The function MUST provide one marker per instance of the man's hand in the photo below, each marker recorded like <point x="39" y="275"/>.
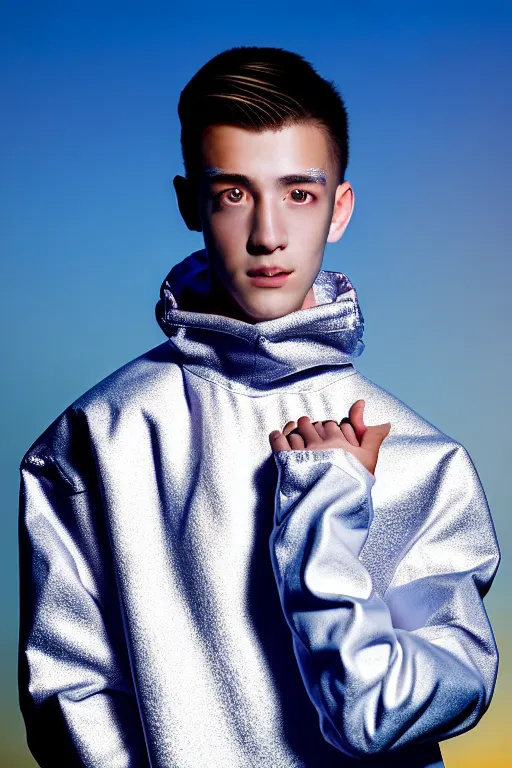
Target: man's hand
<point x="351" y="434"/>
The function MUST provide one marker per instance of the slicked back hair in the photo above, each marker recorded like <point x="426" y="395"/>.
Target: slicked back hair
<point x="260" y="89"/>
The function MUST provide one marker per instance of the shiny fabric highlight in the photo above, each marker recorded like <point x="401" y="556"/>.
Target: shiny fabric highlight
<point x="189" y="599"/>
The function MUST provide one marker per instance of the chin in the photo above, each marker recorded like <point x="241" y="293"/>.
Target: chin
<point x="272" y="313"/>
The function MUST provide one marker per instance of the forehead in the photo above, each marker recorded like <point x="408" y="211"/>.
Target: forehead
<point x="268" y="153"/>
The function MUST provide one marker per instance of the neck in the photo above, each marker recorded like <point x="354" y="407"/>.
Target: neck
<point x="310" y="300"/>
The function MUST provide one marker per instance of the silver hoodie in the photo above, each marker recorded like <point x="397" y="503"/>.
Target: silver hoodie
<point x="190" y="599"/>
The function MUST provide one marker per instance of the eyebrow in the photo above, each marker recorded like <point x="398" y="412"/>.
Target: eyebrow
<point x="309" y="176"/>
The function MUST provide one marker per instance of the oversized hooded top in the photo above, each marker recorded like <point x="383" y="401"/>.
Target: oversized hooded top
<point x="190" y="599"/>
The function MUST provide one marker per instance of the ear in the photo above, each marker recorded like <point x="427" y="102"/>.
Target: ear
<point x="342" y="211"/>
<point x="188" y="203"/>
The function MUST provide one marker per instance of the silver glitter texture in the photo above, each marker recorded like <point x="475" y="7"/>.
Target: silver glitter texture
<point x="188" y="599"/>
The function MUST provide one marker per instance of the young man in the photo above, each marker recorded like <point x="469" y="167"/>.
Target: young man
<point x="200" y="588"/>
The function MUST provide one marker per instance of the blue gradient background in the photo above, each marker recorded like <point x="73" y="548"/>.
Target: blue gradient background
<point x="90" y="227"/>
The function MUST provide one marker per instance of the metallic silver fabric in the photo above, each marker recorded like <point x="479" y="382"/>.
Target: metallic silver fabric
<point x="189" y="599"/>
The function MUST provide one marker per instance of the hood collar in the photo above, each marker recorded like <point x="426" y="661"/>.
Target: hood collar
<point x="302" y="351"/>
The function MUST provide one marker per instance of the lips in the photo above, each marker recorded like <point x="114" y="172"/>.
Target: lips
<point x="268" y="271"/>
<point x="264" y="281"/>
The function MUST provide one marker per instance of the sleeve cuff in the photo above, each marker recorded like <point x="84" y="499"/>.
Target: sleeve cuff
<point x="299" y="471"/>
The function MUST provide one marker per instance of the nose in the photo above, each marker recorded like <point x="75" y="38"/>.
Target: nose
<point x="268" y="230"/>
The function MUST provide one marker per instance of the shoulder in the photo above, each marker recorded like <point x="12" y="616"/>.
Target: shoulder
<point x="136" y="380"/>
<point x="65" y="443"/>
<point x="421" y="471"/>
<point x="427" y="492"/>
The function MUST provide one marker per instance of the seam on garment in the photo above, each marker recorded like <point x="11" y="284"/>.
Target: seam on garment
<point x="257" y="343"/>
<point x="73" y="490"/>
<point x="206" y="328"/>
<point x="268" y="394"/>
<point x="278" y="338"/>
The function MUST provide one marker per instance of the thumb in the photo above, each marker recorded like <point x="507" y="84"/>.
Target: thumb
<point x="374" y="436"/>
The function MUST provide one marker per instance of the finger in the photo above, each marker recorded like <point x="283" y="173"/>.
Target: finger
<point x="288" y="427"/>
<point x="307" y="430"/>
<point x="349" y="432"/>
<point x="332" y="429"/>
<point x="374" y="436"/>
<point x="355" y="416"/>
<point x="278" y="441"/>
<point x="320" y="428"/>
<point x="296" y="442"/>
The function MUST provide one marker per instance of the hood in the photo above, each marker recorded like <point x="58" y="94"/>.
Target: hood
<point x="301" y="351"/>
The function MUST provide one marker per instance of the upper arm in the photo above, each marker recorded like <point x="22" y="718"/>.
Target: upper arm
<point x="75" y="685"/>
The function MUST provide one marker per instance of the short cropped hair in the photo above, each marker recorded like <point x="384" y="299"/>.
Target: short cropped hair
<point x="260" y="89"/>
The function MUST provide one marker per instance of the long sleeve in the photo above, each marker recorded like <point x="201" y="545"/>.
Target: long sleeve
<point x="75" y="687"/>
<point x="416" y="665"/>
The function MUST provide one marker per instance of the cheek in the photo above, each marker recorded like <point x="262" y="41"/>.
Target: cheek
<point x="228" y="228"/>
<point x="310" y="224"/>
<point x="226" y="237"/>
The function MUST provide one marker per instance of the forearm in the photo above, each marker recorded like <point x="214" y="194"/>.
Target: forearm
<point x="376" y="687"/>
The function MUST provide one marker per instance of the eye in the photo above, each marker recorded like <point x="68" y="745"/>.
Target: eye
<point x="234" y="195"/>
<point x="302" y="195"/>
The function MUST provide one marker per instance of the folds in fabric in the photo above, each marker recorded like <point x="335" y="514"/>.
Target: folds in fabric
<point x="76" y="693"/>
<point x="416" y="665"/>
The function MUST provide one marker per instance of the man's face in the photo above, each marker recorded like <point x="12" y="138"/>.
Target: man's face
<point x="268" y="199"/>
